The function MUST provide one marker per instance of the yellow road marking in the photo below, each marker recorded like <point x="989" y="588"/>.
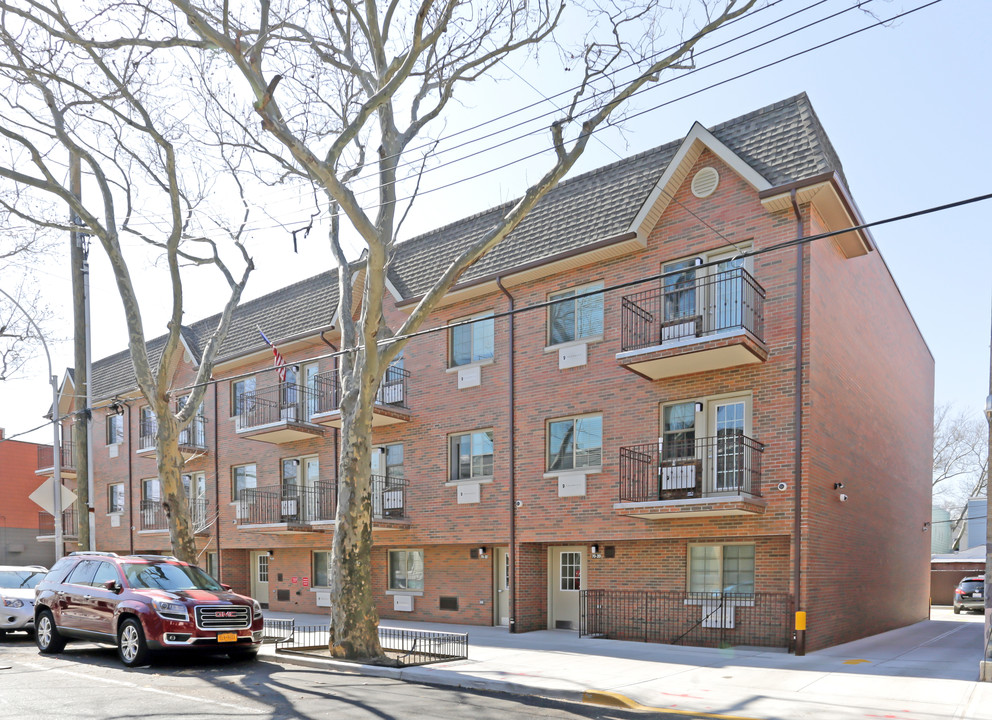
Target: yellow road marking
<point x="612" y="699"/>
<point x="856" y="661"/>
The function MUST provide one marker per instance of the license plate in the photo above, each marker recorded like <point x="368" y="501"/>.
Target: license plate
<point x="227" y="637"/>
<point x="977" y="595"/>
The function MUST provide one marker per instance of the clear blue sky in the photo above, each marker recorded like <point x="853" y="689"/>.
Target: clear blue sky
<point x="906" y="106"/>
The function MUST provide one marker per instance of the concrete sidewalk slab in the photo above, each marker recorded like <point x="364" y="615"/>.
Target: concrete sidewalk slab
<point x="927" y="671"/>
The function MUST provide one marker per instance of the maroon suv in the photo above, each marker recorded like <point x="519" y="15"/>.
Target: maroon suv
<point x="142" y="603"/>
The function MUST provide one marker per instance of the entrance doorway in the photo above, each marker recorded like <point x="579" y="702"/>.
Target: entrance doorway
<point x="260" y="577"/>
<point x="502" y="585"/>
<point x="566" y="568"/>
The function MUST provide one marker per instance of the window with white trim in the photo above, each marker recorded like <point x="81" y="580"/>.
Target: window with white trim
<point x="575" y="318"/>
<point x="471" y="455"/>
<point x="721" y="569"/>
<point x="406" y="569"/>
<point x="115" y="498"/>
<point x="473" y="342"/>
<point x="321" y="568"/>
<point x="115" y="429"/>
<point x="238" y="390"/>
<point x="243" y="477"/>
<point x="575" y="443"/>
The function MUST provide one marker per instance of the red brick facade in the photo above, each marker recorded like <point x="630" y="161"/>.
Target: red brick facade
<point x="867" y="387"/>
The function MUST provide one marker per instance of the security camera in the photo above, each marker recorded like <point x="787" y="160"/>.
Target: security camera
<point x="783" y="486"/>
<point x="518" y="503"/>
<point x="843" y="497"/>
<point x="838" y="486"/>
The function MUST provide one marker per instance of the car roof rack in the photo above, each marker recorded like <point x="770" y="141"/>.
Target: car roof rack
<point x="95" y="552"/>
<point x="156" y="557"/>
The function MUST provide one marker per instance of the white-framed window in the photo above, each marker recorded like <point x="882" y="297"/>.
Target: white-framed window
<point x="151" y="489"/>
<point x="471" y="455"/>
<point x="147" y="428"/>
<point x="570" y="564"/>
<point x="115" y="498"/>
<point x="406" y="569"/>
<point x="715" y="434"/>
<point x="238" y="390"/>
<point x="263" y="568"/>
<point x="243" y="477"/>
<point x="575" y="443"/>
<point x="321" y="568"/>
<point x="678" y="431"/>
<point x="575" y="318"/>
<point x="721" y="569"/>
<point x="473" y="342"/>
<point x="707" y="293"/>
<point x="213" y="570"/>
<point x="115" y="429"/>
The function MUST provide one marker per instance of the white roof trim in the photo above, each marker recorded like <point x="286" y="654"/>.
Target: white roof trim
<point x="685" y="157"/>
<point x="194" y="360"/>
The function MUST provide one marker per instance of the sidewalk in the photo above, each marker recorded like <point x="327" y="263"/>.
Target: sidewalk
<point x="927" y="671"/>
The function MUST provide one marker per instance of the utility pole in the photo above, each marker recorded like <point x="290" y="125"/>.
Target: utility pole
<point x="80" y="425"/>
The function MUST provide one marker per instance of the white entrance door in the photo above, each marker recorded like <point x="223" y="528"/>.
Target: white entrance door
<point x="728" y="293"/>
<point x="567" y="568"/>
<point x="260" y="577"/>
<point x="729" y="428"/>
<point x="502" y="570"/>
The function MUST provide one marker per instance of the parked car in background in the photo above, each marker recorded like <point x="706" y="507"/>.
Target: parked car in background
<point x="17" y="596"/>
<point x="970" y="594"/>
<point x="143" y="603"/>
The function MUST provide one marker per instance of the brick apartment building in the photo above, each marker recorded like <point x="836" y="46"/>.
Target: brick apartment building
<point x="688" y="459"/>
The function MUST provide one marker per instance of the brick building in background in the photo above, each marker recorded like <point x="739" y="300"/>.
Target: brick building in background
<point x="24" y="526"/>
<point x="688" y="459"/>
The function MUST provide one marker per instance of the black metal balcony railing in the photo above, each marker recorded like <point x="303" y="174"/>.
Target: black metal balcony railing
<point x="392" y="390"/>
<point x="194" y="435"/>
<point x="698" y="308"/>
<point x="287" y="402"/>
<point x="153" y="514"/>
<point x="147" y="430"/>
<point x="407" y="647"/>
<point x="46" y="457"/>
<point x="678" y="617"/>
<point x="307" y="504"/>
<point x="70" y="527"/>
<point x="700" y="467"/>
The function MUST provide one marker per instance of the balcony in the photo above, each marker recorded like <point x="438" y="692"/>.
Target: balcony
<point x="67" y="461"/>
<point x="153" y="519"/>
<point x="46" y="525"/>
<point x="710" y="323"/>
<point x="390" y="400"/>
<point x="293" y="508"/>
<point x="279" y="414"/>
<point x="702" y="477"/>
<point x="192" y="438"/>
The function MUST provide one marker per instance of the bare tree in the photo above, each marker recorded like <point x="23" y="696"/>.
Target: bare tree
<point x="960" y="462"/>
<point x="98" y="84"/>
<point x="331" y="80"/>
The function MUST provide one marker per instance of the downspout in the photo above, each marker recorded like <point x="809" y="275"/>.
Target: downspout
<point x="797" y="419"/>
<point x="217" y="522"/>
<point x="130" y="485"/>
<point x="513" y="469"/>
<point x="334" y="432"/>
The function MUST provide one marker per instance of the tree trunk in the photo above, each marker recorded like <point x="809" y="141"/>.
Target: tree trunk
<point x="354" y="620"/>
<point x="174" y="501"/>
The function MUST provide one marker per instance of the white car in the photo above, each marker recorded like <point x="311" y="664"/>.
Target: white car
<point x="17" y="596"/>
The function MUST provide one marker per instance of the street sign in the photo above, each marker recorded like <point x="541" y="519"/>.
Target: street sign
<point x="44" y="496"/>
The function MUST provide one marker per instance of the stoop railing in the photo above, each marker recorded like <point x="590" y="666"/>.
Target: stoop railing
<point x="407" y="647"/>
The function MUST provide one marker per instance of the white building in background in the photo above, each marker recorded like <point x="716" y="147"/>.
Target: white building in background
<point x="940" y="531"/>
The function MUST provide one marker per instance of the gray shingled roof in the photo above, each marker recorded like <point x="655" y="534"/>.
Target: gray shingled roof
<point x="293" y="310"/>
<point x="784" y="142"/>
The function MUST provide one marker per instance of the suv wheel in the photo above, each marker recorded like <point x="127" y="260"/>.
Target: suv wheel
<point x="957" y="610"/>
<point x="131" y="646"/>
<point x="47" y="636"/>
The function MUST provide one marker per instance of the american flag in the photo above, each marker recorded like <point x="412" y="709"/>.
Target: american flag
<point x="277" y="356"/>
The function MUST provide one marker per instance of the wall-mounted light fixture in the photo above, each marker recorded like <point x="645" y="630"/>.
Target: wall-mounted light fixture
<point x="926" y="526"/>
<point x="699" y="407"/>
<point x="597" y="550"/>
<point x="482" y="552"/>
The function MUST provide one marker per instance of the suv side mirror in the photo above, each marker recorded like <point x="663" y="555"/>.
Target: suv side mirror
<point x="113" y="586"/>
<point x="226" y="586"/>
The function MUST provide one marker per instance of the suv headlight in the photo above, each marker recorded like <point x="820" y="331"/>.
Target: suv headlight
<point x="171" y="610"/>
<point x="257" y="607"/>
<point x="12" y="602"/>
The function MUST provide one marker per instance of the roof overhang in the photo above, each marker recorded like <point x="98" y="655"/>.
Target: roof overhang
<point x="286" y="345"/>
<point x="698" y="139"/>
<point x="825" y="192"/>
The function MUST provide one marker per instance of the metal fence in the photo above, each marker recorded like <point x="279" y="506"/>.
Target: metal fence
<point x="194" y="435"/>
<point x="70" y="526"/>
<point x="699" y="467"/>
<point x="287" y="402"/>
<point x="693" y="308"/>
<point x="67" y="458"/>
<point x="153" y="517"/>
<point x="392" y="390"/>
<point x="306" y="504"/>
<point x="406" y="647"/>
<point x="676" y="617"/>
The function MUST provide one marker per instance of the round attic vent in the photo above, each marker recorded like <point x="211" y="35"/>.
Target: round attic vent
<point x="705" y="181"/>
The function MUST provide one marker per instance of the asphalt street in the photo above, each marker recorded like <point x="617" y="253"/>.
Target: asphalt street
<point x="88" y="681"/>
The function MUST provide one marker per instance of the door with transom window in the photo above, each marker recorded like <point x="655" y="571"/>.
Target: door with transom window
<point x="565" y="572"/>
